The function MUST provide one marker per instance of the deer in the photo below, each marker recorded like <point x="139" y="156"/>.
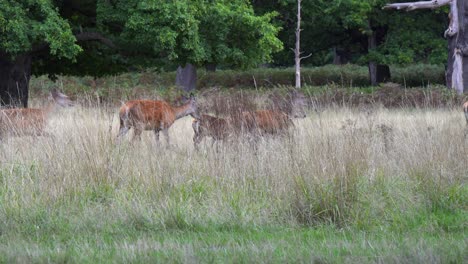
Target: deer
<point x="263" y="122"/>
<point x="31" y="121"/>
<point x="153" y="115"/>
<point x="209" y="126"/>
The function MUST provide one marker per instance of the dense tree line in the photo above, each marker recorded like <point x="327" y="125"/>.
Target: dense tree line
<point x="338" y="31"/>
<point x="101" y="37"/>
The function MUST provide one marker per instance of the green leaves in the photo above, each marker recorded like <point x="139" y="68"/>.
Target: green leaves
<point x="233" y="35"/>
<point x="25" y="25"/>
<point x="198" y="32"/>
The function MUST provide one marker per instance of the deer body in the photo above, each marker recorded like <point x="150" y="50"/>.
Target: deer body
<point x="210" y="126"/>
<point x="152" y="115"/>
<point x="266" y="122"/>
<point x="262" y="122"/>
<point x="30" y="121"/>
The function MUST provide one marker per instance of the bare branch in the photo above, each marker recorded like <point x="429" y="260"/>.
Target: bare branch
<point x="305" y="57"/>
<point x="418" y="5"/>
<point x="452" y="30"/>
<point x="87" y="36"/>
<point x="409" y="6"/>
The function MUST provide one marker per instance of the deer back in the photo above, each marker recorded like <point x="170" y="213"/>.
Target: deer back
<point x="148" y="113"/>
<point x="271" y="122"/>
<point x="30" y="121"/>
<point x="155" y="114"/>
<point x="22" y="121"/>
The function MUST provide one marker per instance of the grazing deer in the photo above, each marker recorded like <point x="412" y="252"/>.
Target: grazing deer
<point x="210" y="126"/>
<point x="153" y="115"/>
<point x="30" y="121"/>
<point x="272" y="122"/>
<point x="465" y="109"/>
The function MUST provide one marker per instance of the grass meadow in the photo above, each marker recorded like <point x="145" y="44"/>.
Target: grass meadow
<point x="348" y="185"/>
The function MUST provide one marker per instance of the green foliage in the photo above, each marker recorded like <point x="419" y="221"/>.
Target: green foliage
<point x="234" y="36"/>
<point x="415" y="37"/>
<point x="26" y="25"/>
<point x="198" y="32"/>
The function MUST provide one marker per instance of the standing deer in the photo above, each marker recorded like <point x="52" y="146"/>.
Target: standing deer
<point x="30" y="121"/>
<point x="262" y="122"/>
<point x="210" y="126"/>
<point x="153" y="115"/>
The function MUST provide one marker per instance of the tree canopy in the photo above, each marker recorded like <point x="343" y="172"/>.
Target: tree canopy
<point x="100" y="37"/>
<point x="346" y="24"/>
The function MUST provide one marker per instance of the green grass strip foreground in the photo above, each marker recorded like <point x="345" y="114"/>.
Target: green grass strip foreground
<point x="236" y="245"/>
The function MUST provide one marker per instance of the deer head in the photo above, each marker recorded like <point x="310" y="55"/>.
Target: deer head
<point x="60" y="98"/>
<point x="191" y="106"/>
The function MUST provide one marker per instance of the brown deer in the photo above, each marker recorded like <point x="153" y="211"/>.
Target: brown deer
<point x="30" y="121"/>
<point x="262" y="122"/>
<point x="153" y="115"/>
<point x="210" y="126"/>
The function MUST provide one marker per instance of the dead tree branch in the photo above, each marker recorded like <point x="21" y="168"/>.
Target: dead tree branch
<point x="418" y="5"/>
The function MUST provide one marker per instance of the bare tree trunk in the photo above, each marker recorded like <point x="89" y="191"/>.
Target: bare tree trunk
<point x="14" y="80"/>
<point x="297" y="50"/>
<point x="457" y="62"/>
<point x="186" y="77"/>
<point x="372" y="44"/>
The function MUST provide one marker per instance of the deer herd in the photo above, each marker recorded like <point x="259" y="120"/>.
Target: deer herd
<point x="158" y="116"/>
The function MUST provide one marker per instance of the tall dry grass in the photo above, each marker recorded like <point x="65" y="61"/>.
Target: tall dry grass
<point x="366" y="169"/>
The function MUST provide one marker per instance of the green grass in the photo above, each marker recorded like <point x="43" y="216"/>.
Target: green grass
<point x="348" y="186"/>
<point x="229" y="244"/>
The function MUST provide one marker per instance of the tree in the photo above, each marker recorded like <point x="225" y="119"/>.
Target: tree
<point x="338" y="31"/>
<point x="28" y="31"/>
<point x="457" y="70"/>
<point x="25" y="28"/>
<point x="297" y="49"/>
<point x="196" y="33"/>
<point x="99" y="37"/>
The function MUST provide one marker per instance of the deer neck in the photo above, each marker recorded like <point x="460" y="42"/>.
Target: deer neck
<point x="183" y="110"/>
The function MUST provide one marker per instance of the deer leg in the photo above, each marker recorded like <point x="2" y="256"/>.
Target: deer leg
<point x="137" y="134"/>
<point x="166" y="134"/>
<point x="197" y="138"/>
<point x="123" y="130"/>
<point x="156" y="135"/>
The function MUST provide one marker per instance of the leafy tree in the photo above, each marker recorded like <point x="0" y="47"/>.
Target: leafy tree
<point x="341" y="28"/>
<point x="98" y="37"/>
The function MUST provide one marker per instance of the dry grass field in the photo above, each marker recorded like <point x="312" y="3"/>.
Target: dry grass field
<point x="348" y="185"/>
